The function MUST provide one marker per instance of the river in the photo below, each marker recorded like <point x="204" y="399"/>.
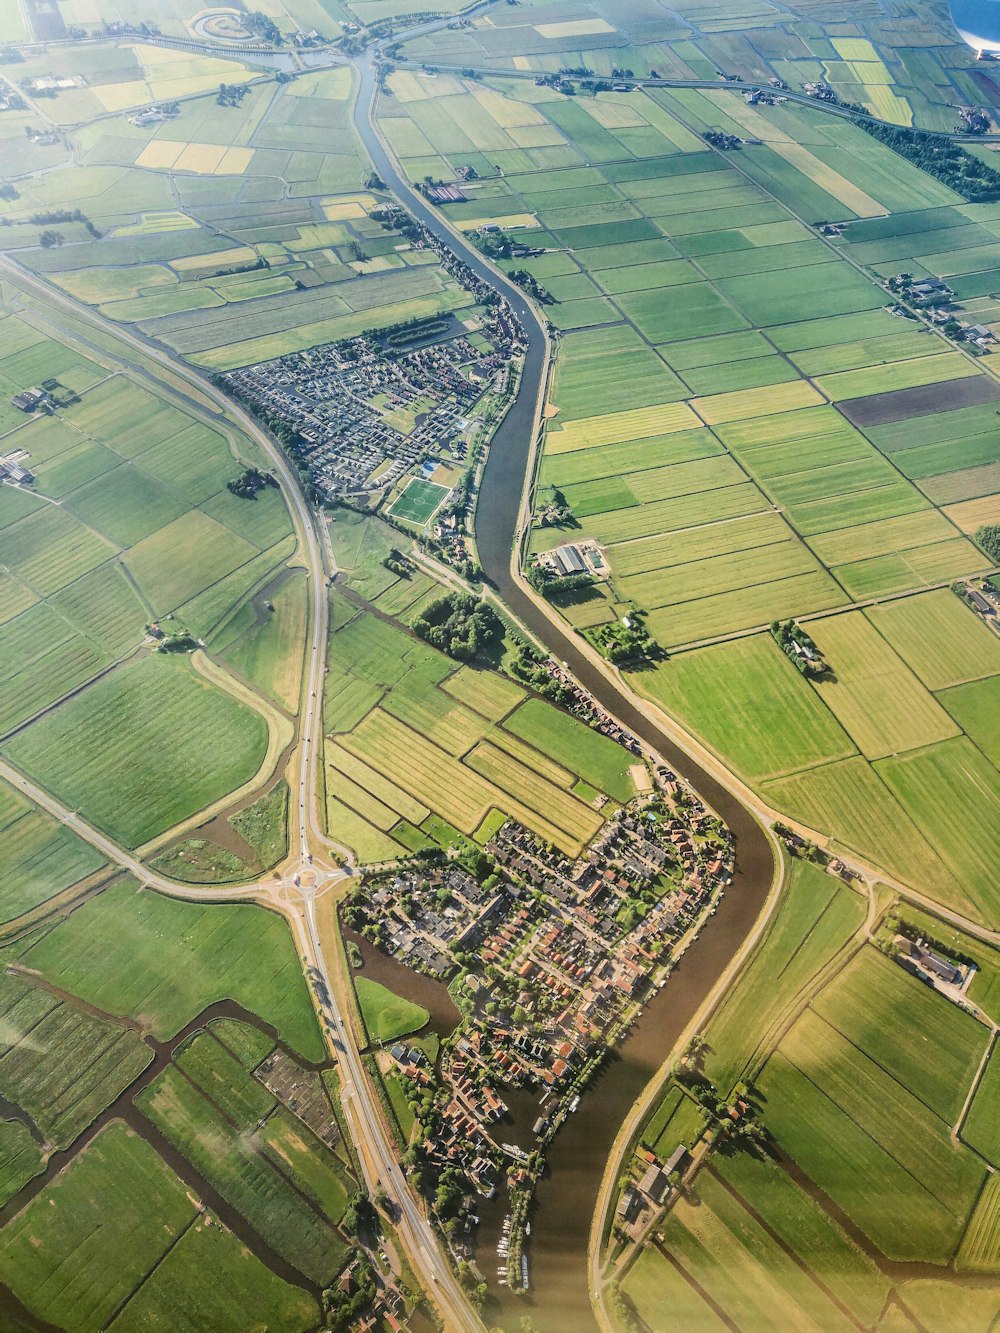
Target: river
<point x="559" y="1301"/>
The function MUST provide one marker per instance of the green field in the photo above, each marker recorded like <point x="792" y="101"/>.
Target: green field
<point x="816" y="917"/>
<point x="209" y="1277"/>
<point x="66" y="1066"/>
<point x="263" y="1161"/>
<point x="81" y="1247"/>
<point x="163" y="961"/>
<point x="980" y="1129"/>
<point x="143" y="748"/>
<point x="759" y="1282"/>
<point x="38" y="857"/>
<point x="387" y="1016"/>
<point x="772" y="723"/>
<point x="864" y="1003"/>
<point x="854" y="1098"/>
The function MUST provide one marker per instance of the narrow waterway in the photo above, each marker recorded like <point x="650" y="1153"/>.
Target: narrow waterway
<point x="559" y="1300"/>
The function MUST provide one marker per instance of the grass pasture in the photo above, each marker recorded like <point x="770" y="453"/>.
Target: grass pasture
<point x="827" y="1107"/>
<point x="283" y="1204"/>
<point x="815" y="919"/>
<point x="760" y="1281"/>
<point x="882" y="1012"/>
<point x="83" y="1245"/>
<point x="945" y="782"/>
<point x="68" y="1066"/>
<point x="773" y="721"/>
<point x="387" y="1016"/>
<point x="143" y="748"/>
<point x="874" y="696"/>
<point x="206" y="1278"/>
<point x="163" y="961"/>
<point x="38" y="857"/>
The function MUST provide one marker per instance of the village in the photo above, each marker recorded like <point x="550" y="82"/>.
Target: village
<point x="550" y="961"/>
<point x="363" y="417"/>
<point x="391" y="420"/>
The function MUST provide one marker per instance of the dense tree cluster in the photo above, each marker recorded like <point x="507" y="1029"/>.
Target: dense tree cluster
<point x="250" y="482"/>
<point x="946" y="161"/>
<point x="988" y="538"/>
<point x="262" y="26"/>
<point x="460" y="625"/>
<point x="345" y="1308"/>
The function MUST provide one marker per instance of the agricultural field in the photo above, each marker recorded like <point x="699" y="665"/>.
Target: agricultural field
<point x="133" y="952"/>
<point x="117" y="1236"/>
<point x="477" y="749"/>
<point x="859" y="1096"/>
<point x="771" y="454"/>
<point x="828" y="1100"/>
<point x="124" y="476"/>
<point x="38" y="857"/>
<point x="237" y="229"/>
<point x="263" y="1162"/>
<point x="910" y="73"/>
<point x="143" y="748"/>
<point x="59" y="1064"/>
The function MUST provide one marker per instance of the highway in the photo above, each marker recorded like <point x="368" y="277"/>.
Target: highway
<point x="293" y="894"/>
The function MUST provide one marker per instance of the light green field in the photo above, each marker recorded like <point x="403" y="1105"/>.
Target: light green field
<point x="948" y="782"/>
<point x="870" y="1144"/>
<point x="976" y="709"/>
<point x="882" y="1012"/>
<point x="816" y="917"/>
<point x="760" y="1281"/>
<point x="143" y="748"/>
<point x="878" y="701"/>
<point x="773" y="722"/>
<point x="270" y="651"/>
<point x="939" y="637"/>
<point x="164" y="961"/>
<point x="663" y="1297"/>
<point x="387" y="1016"/>
<point x="183" y="558"/>
<point x="980" y="1251"/>
<point x="815" y="1237"/>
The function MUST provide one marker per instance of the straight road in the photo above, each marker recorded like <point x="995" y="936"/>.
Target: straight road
<point x="308" y="840"/>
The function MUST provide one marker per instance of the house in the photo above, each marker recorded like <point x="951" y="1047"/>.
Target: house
<point x="29" y="400"/>
<point x="654" y="1183"/>
<point x="677" y="1160"/>
<point x="629" y="1204"/>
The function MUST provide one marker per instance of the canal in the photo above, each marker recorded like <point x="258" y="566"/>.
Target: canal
<point x="559" y="1300"/>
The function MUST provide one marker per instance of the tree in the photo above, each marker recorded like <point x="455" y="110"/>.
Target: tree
<point x="463" y="626"/>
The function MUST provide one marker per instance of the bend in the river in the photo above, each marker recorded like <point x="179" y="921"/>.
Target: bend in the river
<point x="567" y="1198"/>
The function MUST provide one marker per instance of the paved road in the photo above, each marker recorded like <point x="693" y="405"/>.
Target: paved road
<point x="308" y="841"/>
<point x="498" y="528"/>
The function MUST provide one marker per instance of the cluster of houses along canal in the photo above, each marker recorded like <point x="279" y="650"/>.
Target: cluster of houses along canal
<point x="550" y="962"/>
